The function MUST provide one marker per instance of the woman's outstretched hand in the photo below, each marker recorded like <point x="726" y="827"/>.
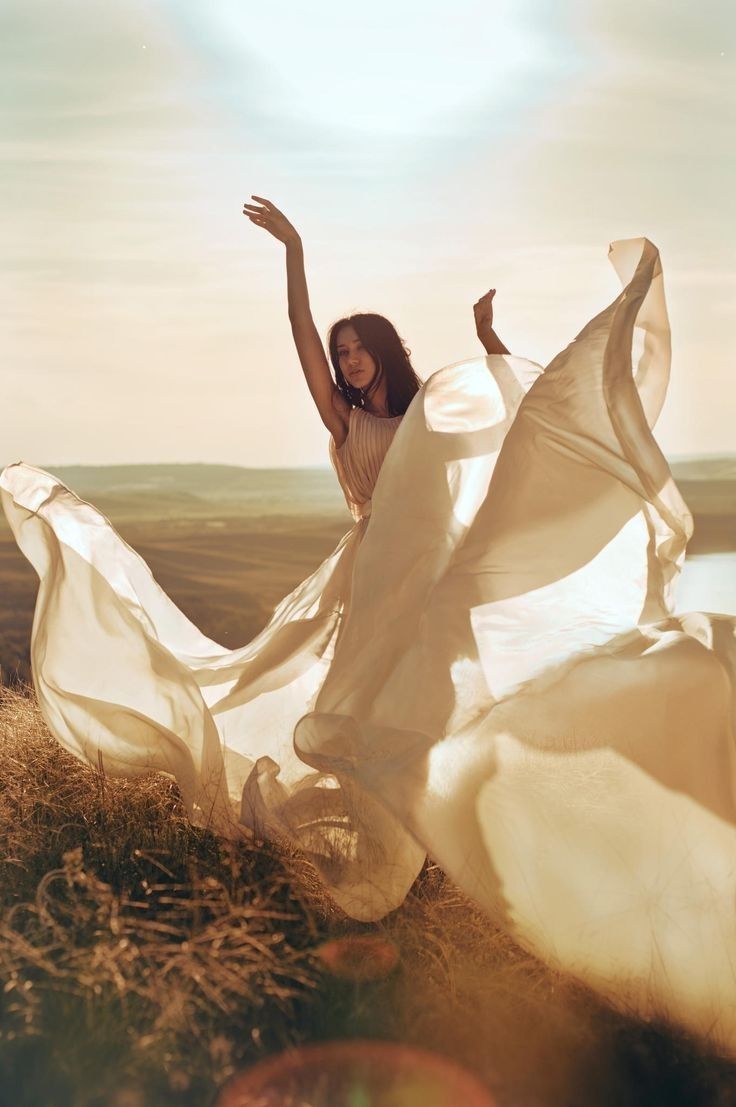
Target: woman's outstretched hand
<point x="483" y="311"/>
<point x="268" y="216"/>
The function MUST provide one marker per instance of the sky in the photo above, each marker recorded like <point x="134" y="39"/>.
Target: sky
<point x="425" y="152"/>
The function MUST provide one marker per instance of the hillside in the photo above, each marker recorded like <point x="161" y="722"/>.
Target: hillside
<point x="196" y="490"/>
<point x="200" y="490"/>
<point x="711" y="468"/>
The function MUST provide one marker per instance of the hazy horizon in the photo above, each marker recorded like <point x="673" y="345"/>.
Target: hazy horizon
<point x="145" y="317"/>
<point x="326" y="466"/>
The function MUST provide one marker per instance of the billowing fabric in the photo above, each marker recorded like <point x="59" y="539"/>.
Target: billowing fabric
<point x="489" y="668"/>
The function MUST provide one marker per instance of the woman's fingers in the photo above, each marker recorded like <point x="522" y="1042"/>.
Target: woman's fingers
<point x="483" y="310"/>
<point x="268" y="203"/>
<point x="257" y="220"/>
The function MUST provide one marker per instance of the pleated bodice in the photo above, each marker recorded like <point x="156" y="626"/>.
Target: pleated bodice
<point x="358" y="460"/>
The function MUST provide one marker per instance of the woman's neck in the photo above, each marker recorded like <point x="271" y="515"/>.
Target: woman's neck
<point x="377" y="403"/>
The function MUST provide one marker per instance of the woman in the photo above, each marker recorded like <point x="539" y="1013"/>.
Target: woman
<point x="487" y="667"/>
<point x="364" y="388"/>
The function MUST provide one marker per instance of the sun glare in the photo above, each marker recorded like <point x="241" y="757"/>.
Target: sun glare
<point x="381" y="67"/>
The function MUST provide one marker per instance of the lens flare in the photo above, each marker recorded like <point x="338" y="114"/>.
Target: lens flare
<point x="355" y="1074"/>
<point x="359" y="957"/>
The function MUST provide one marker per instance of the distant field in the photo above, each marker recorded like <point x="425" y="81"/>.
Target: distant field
<point x="204" y="491"/>
<point x="226" y="575"/>
<point x="228" y="543"/>
<point x="225" y="543"/>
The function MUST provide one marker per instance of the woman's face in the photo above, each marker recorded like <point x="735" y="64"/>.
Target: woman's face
<point x="356" y="364"/>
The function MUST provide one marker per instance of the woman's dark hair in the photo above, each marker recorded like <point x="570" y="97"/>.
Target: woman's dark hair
<point x="382" y="341"/>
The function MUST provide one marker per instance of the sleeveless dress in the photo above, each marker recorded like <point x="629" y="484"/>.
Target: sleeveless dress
<point x="357" y="462"/>
<point x="488" y="668"/>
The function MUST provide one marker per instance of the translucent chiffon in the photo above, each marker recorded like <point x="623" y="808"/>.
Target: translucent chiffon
<point x="488" y="668"/>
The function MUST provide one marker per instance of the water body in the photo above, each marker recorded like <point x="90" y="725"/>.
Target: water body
<point x="708" y="583"/>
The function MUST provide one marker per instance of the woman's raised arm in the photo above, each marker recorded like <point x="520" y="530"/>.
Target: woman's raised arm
<point x="333" y="408"/>
<point x="483" y="312"/>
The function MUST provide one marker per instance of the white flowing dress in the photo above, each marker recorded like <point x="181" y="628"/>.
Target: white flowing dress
<point x="486" y="669"/>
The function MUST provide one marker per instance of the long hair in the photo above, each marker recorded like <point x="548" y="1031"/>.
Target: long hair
<point x="382" y="341"/>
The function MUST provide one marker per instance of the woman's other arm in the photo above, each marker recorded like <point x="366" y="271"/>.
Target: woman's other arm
<point x="483" y="311"/>
<point x="331" y="404"/>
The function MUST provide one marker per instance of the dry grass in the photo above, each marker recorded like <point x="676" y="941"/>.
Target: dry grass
<point x="143" y="961"/>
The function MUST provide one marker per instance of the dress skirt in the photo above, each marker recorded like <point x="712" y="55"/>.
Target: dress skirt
<point x="490" y="668"/>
